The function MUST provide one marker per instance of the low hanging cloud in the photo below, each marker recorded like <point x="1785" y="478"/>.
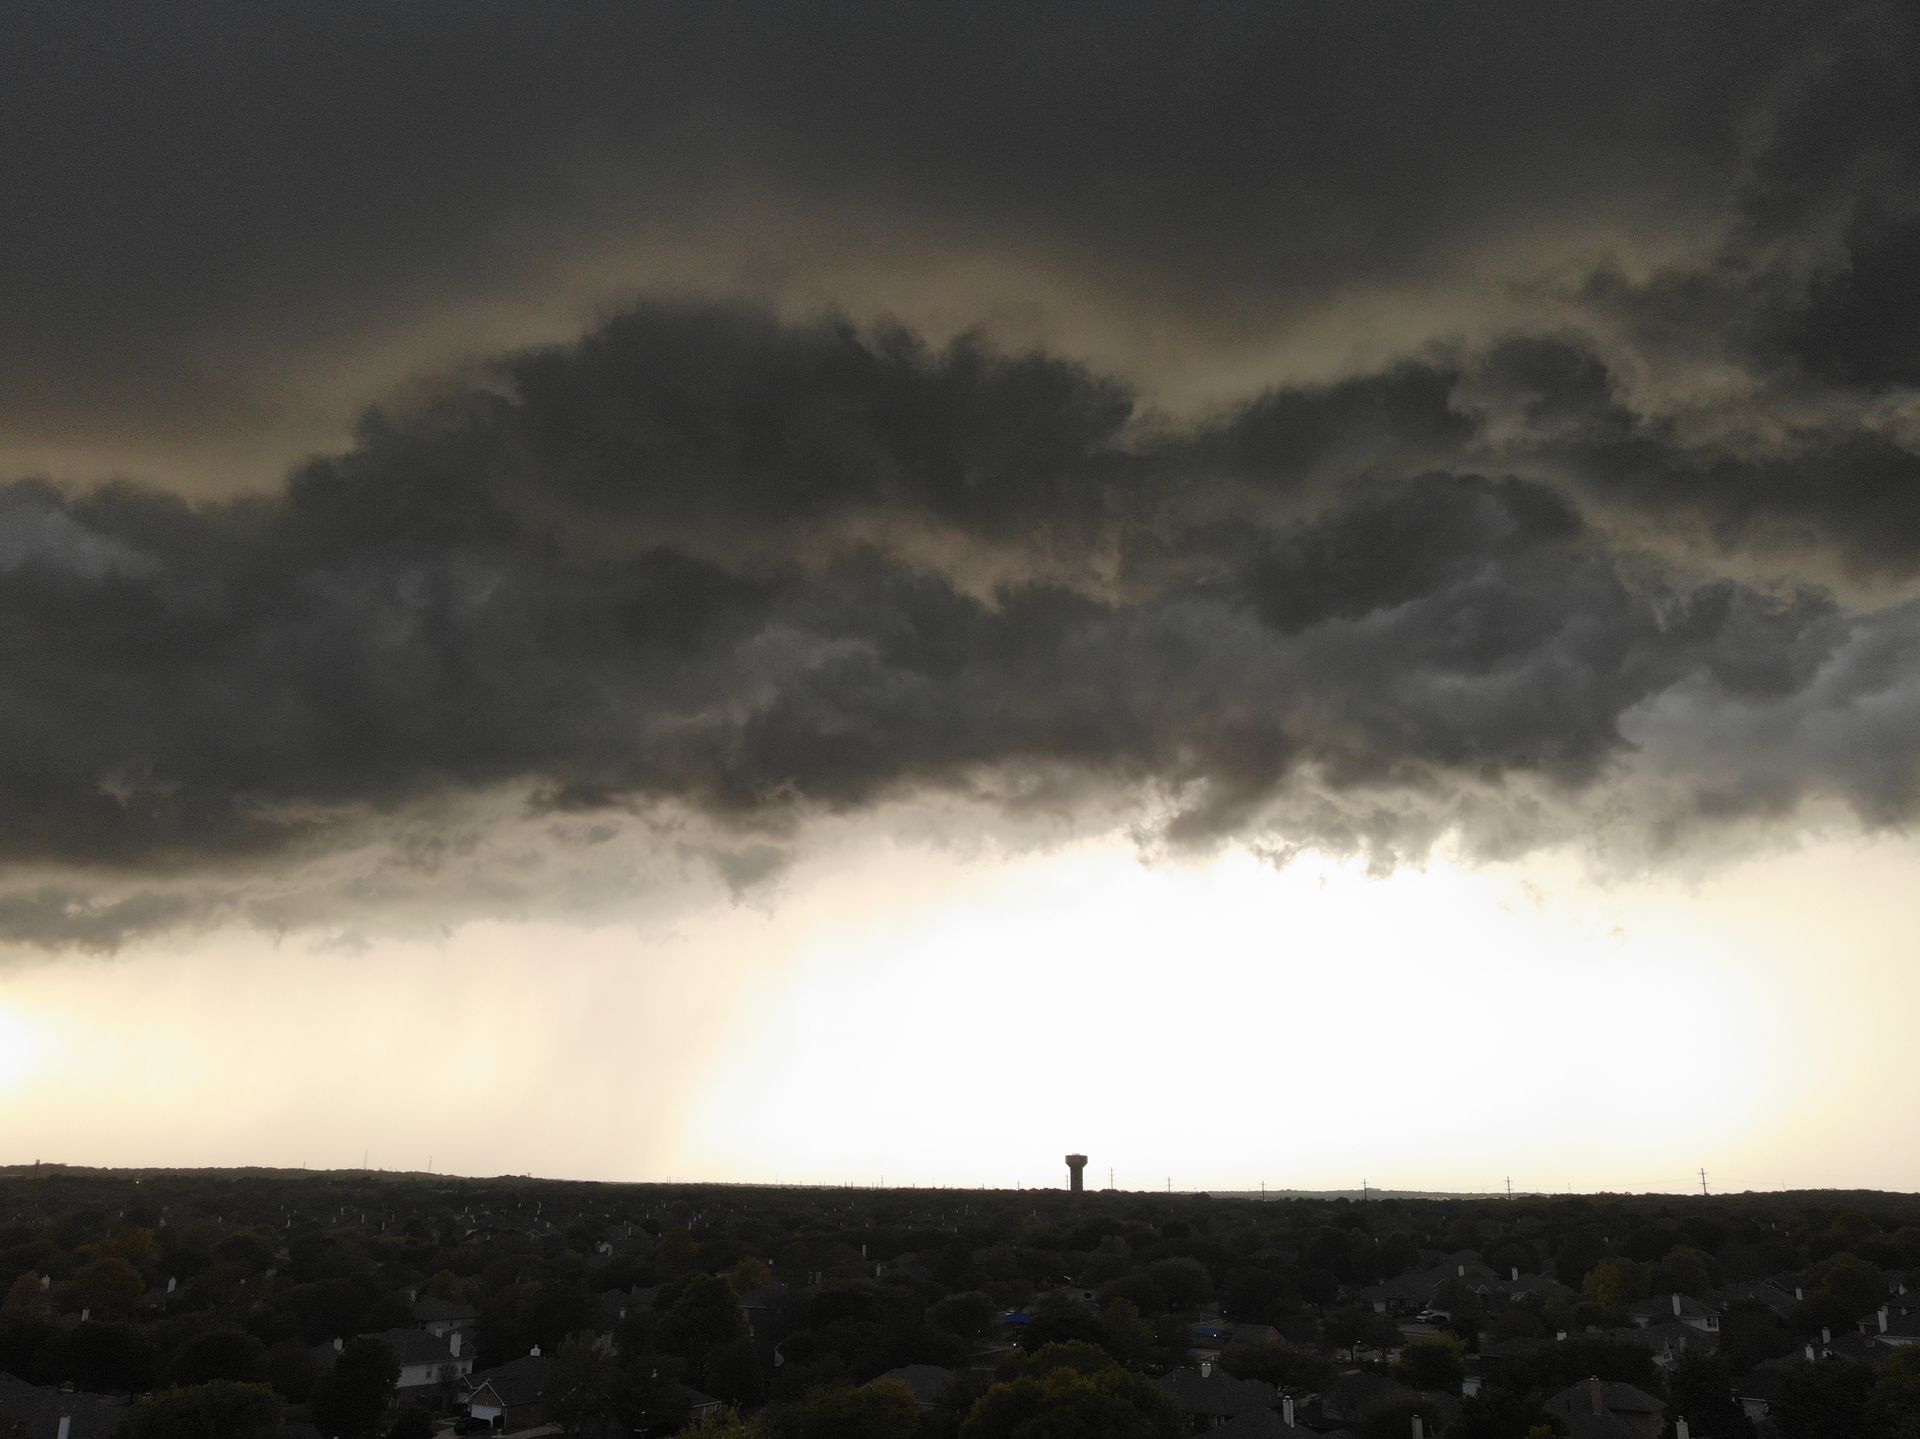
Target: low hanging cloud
<point x="691" y="588"/>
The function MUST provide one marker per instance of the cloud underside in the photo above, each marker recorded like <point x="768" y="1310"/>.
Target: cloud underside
<point x="753" y="575"/>
<point x="1607" y="534"/>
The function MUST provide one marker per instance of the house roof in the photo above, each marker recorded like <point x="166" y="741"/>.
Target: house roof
<point x="926" y="1381"/>
<point x="415" y="1346"/>
<point x="1616" y="1398"/>
<point x="1218" y="1395"/>
<point x="35" y="1412"/>
<point x="517" y="1382"/>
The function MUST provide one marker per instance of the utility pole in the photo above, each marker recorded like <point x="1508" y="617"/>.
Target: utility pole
<point x="1703" y="1184"/>
<point x="1363" y="1191"/>
<point x="1509" y="1186"/>
<point x="1263" y="1189"/>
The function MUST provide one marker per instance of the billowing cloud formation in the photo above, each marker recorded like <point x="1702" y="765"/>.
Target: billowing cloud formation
<point x="1382" y="422"/>
<point x="709" y="565"/>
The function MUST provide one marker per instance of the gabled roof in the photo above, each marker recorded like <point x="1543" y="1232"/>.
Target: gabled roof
<point x="1218" y="1395"/>
<point x="517" y="1382"/>
<point x="415" y="1346"/>
<point x="36" y="1412"/>
<point x="1616" y="1398"/>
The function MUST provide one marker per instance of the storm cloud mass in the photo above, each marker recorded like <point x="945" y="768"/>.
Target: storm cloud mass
<point x="1352" y="427"/>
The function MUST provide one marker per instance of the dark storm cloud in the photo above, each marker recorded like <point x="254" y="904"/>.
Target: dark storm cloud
<point x="1558" y="478"/>
<point x="211" y="205"/>
<point x="707" y="562"/>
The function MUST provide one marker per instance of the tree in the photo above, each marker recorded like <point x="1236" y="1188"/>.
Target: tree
<point x="1827" y="1400"/>
<point x="1058" y="1319"/>
<point x="748" y="1275"/>
<point x="111" y="1358"/>
<point x="1185" y="1282"/>
<point x="1438" y="1363"/>
<point x="1613" y="1284"/>
<point x="704" y="1317"/>
<point x="350" y="1399"/>
<point x="1498" y="1414"/>
<point x="24" y="1295"/>
<point x="580" y="1387"/>
<point x="1068" y="1404"/>
<point x="1700" y="1390"/>
<point x="217" y="1354"/>
<point x="880" y="1411"/>
<point x="967" y="1314"/>
<point x="1896" y="1396"/>
<point x="110" y="1287"/>
<point x="1285" y="1366"/>
<point x="220" y="1410"/>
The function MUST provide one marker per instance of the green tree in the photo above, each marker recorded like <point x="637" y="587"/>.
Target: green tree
<point x="748" y="1275"/>
<point x="970" y="1313"/>
<point x="580" y="1387"/>
<point x="1068" y="1404"/>
<point x="1285" y="1366"/>
<point x="705" y="1317"/>
<point x="1700" y="1390"/>
<point x="24" y="1295"/>
<point x="1185" y="1282"/>
<point x="350" y="1398"/>
<point x="1613" y="1284"/>
<point x="110" y="1287"/>
<point x="220" y="1410"/>
<point x="1438" y="1363"/>
<point x="1827" y="1400"/>
<point x="217" y="1354"/>
<point x="881" y="1411"/>
<point x="1895" y="1405"/>
<point x="1498" y="1414"/>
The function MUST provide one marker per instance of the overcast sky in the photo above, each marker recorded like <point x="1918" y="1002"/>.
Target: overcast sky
<point x="692" y="566"/>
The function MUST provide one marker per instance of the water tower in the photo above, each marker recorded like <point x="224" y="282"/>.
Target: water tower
<point x="1075" y="1164"/>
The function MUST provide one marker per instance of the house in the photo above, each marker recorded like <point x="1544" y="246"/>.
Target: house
<point x="28" y="1411"/>
<point x="427" y="1364"/>
<point x="440" y="1317"/>
<point x="1604" y="1409"/>
<point x="1678" y="1307"/>
<point x="1894" y="1328"/>
<point x="926" y="1382"/>
<point x="512" y="1395"/>
<point x="1209" y="1397"/>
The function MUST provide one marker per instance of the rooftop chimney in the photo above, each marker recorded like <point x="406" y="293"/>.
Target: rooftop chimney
<point x="1883" y="1319"/>
<point x="453" y="1343"/>
<point x="1810" y="1354"/>
<point x="172" y="1283"/>
<point x="1676" y="1306"/>
<point x="85" y="1315"/>
<point x="1597" y="1393"/>
<point x="1680" y="1430"/>
<point x="338" y="1345"/>
<point x="1418" y="1432"/>
<point x="1462" y="1271"/>
<point x="534" y="1352"/>
<point x="1206" y="1368"/>
<point x="66" y="1426"/>
<point x="1516" y="1274"/>
<point x="1286" y="1411"/>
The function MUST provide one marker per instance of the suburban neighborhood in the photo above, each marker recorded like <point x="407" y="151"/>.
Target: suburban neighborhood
<point x="365" y="1305"/>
